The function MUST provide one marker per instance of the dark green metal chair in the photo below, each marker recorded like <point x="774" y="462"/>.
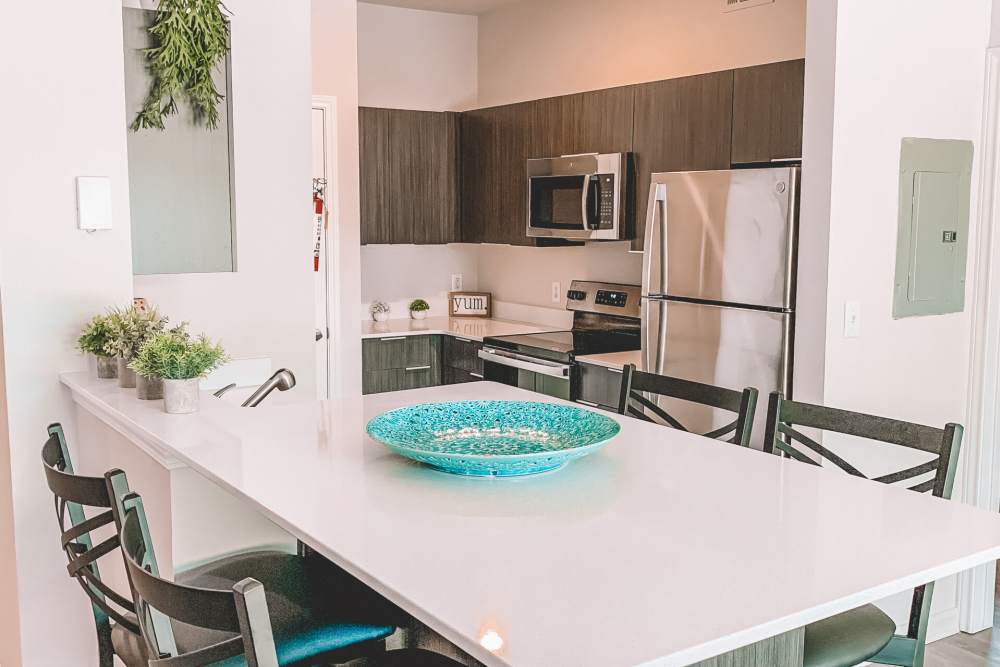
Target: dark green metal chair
<point x="866" y="633"/>
<point x="114" y="614"/>
<point x="638" y="386"/>
<point x="240" y="620"/>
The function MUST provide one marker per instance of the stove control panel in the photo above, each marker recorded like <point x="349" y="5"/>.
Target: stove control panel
<point x="611" y="298"/>
<point x="617" y="299"/>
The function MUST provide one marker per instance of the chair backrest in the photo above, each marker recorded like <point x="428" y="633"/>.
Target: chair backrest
<point x="73" y="493"/>
<point x="638" y="387"/>
<point x="783" y="438"/>
<point x="242" y="611"/>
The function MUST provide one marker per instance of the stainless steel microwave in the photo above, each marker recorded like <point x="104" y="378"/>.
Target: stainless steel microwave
<point x="583" y="197"/>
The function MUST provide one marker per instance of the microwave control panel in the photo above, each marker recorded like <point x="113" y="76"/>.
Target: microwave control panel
<point x="606" y="201"/>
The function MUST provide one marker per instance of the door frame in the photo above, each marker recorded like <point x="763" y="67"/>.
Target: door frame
<point x="981" y="460"/>
<point x="331" y="242"/>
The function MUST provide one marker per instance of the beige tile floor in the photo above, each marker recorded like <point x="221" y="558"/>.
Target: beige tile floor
<point x="962" y="650"/>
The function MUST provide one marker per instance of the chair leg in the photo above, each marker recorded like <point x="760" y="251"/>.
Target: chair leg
<point x="105" y="649"/>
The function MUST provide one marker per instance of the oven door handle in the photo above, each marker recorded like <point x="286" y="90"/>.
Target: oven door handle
<point x="549" y="368"/>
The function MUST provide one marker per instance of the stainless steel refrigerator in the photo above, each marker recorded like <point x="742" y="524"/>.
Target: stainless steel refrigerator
<point x="718" y="284"/>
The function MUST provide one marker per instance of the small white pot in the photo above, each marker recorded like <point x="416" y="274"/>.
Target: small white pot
<point x="380" y="317"/>
<point x="126" y="376"/>
<point x="180" y="397"/>
<point x="107" y="367"/>
<point x="418" y="314"/>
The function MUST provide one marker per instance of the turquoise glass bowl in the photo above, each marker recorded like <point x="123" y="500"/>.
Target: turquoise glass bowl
<point x="493" y="438"/>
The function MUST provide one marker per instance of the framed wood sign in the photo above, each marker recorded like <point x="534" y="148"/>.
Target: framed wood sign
<point x="470" y="304"/>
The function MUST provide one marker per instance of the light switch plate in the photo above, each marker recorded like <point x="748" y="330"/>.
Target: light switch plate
<point x="456" y="282"/>
<point x="93" y="203"/>
<point x="556" y="293"/>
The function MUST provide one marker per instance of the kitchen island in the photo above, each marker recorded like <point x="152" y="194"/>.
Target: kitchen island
<point x="664" y="548"/>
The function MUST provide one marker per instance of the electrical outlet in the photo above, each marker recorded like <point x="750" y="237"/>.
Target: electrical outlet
<point x="456" y="282"/>
<point x="852" y="319"/>
<point x="556" y="293"/>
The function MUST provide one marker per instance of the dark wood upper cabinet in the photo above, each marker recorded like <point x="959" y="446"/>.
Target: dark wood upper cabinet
<point x="767" y="112"/>
<point x="598" y="121"/>
<point x="409" y="176"/>
<point x="423" y="176"/>
<point x="680" y="125"/>
<point x="373" y="132"/>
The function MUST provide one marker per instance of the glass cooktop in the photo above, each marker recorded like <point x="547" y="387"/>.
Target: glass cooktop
<point x="565" y="345"/>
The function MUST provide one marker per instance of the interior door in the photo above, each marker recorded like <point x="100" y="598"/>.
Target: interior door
<point x="727" y="347"/>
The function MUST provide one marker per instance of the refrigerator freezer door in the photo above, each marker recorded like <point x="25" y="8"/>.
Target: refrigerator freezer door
<point x="727" y="347"/>
<point x="724" y="236"/>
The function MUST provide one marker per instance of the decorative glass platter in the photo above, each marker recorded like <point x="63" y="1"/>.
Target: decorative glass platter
<point x="493" y="438"/>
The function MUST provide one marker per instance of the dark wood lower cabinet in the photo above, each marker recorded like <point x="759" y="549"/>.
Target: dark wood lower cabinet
<point x="598" y="386"/>
<point x="400" y="362"/>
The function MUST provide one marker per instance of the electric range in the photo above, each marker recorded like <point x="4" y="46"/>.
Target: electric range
<point x="606" y="318"/>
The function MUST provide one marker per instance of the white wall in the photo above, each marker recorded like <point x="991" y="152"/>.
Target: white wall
<point x="335" y="73"/>
<point x="927" y="81"/>
<point x="529" y="50"/>
<point x="265" y="308"/>
<point x="64" y="117"/>
<point x="412" y="59"/>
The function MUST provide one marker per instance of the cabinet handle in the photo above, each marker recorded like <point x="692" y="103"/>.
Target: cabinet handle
<point x="387" y="340"/>
<point x="463" y="340"/>
<point x="418" y="368"/>
<point x="614" y="370"/>
<point x="477" y="375"/>
<point x="587" y="403"/>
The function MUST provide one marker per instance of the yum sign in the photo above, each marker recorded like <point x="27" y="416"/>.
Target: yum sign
<point x="469" y="304"/>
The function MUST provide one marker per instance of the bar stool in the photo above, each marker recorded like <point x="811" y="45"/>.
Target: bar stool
<point x="638" y="385"/>
<point x="866" y="633"/>
<point x="244" y="628"/>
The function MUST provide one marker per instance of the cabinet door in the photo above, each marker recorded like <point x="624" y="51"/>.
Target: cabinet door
<point x="494" y="174"/>
<point x="423" y="361"/>
<point x="462" y="354"/>
<point x="767" y="112"/>
<point x="598" y="121"/>
<point x="373" y="131"/>
<point x="375" y="382"/>
<point x="458" y="376"/>
<point x="598" y="385"/>
<point x="680" y="125"/>
<point x="423" y="175"/>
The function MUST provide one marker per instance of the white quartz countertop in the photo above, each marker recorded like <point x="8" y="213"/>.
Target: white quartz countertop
<point x="664" y="548"/>
<point x="613" y="359"/>
<point x="473" y="328"/>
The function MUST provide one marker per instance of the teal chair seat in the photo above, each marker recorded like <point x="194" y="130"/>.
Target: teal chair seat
<point x="315" y="608"/>
<point x="846" y="639"/>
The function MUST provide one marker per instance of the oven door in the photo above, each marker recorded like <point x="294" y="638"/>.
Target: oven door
<point x="517" y="370"/>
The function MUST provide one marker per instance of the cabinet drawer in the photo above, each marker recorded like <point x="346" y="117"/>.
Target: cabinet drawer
<point x="379" y="354"/>
<point x="598" y="385"/>
<point x="458" y="376"/>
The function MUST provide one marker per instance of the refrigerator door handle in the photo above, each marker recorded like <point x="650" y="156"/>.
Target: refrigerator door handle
<point x="654" y="257"/>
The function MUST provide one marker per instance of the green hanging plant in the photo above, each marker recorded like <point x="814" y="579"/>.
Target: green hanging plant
<point x="191" y="37"/>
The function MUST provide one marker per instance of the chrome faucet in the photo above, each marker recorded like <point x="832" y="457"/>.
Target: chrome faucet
<point x="282" y="380"/>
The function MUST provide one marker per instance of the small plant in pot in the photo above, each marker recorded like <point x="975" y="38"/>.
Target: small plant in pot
<point x="181" y="361"/>
<point x="131" y="327"/>
<point x="95" y="339"/>
<point x="379" y="311"/>
<point x="419" y="308"/>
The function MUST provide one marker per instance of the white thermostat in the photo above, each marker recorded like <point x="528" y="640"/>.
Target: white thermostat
<point x="93" y="202"/>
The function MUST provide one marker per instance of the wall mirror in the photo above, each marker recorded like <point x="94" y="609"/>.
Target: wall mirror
<point x="180" y="178"/>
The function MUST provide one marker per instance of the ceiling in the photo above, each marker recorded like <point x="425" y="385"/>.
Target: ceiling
<point x="450" y="6"/>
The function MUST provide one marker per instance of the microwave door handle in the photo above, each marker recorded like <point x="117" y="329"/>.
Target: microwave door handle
<point x="583" y="202"/>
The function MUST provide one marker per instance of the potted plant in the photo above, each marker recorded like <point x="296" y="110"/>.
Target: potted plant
<point x="379" y="311"/>
<point x="130" y="328"/>
<point x="418" y="309"/>
<point x="94" y="339"/>
<point x="181" y="361"/>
